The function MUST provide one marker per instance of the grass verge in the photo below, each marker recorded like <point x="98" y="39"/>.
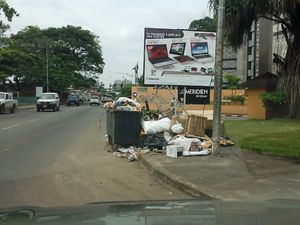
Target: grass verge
<point x="279" y="137"/>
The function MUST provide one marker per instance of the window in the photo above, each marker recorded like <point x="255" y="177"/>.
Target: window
<point x="250" y="35"/>
<point x="249" y="50"/>
<point x="249" y="65"/>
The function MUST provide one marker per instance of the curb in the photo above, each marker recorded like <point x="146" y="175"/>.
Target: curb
<point x="26" y="107"/>
<point x="171" y="179"/>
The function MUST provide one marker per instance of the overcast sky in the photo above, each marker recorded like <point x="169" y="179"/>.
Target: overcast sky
<point x="119" y="24"/>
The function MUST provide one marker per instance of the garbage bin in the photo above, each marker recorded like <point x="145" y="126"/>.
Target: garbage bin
<point x="123" y="127"/>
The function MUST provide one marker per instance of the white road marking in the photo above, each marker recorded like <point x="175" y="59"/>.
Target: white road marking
<point x="31" y="121"/>
<point x="16" y="125"/>
<point x="20" y="124"/>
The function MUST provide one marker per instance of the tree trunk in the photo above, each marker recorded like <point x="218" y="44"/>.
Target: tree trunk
<point x="290" y="77"/>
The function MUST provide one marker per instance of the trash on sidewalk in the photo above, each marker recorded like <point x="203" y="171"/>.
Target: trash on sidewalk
<point x="196" y="125"/>
<point x="177" y="128"/>
<point x="157" y="126"/>
<point x="226" y="141"/>
<point x="174" y="151"/>
<point x="192" y="146"/>
<point x="131" y="153"/>
<point x="182" y="135"/>
<point x="157" y="140"/>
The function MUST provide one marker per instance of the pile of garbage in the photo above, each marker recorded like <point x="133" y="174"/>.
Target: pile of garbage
<point x="171" y="136"/>
<point x="176" y="136"/>
<point x="123" y="104"/>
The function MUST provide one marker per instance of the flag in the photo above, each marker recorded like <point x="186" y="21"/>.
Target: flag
<point x="136" y="68"/>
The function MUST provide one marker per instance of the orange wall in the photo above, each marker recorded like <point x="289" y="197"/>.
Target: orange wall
<point x="161" y="99"/>
<point x="256" y="110"/>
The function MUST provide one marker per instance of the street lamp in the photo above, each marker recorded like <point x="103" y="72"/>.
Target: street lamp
<point x="47" y="67"/>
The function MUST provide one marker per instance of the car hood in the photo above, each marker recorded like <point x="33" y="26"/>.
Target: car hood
<point x="191" y="212"/>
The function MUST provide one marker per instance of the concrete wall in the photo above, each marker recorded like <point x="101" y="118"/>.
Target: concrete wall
<point x="161" y="99"/>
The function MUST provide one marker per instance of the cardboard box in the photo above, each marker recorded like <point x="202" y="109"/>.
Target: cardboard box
<point x="174" y="151"/>
<point x="196" y="125"/>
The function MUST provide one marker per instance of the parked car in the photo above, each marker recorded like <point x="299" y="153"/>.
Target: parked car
<point x="95" y="100"/>
<point x="49" y="100"/>
<point x="73" y="100"/>
<point x="7" y="103"/>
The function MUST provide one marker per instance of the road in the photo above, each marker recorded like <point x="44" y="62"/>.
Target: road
<point x="59" y="159"/>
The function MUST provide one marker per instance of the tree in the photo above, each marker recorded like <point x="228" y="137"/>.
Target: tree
<point x="239" y="16"/>
<point x="126" y="90"/>
<point x="232" y="80"/>
<point x="74" y="56"/>
<point x="9" y="13"/>
<point x="204" y="24"/>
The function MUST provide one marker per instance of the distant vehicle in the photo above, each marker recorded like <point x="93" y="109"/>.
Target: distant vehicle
<point x="95" y="100"/>
<point x="73" y="100"/>
<point x="7" y="103"/>
<point x="49" y="100"/>
<point x="106" y="99"/>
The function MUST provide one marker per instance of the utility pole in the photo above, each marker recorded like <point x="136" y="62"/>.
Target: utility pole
<point x="218" y="80"/>
<point x="47" y="67"/>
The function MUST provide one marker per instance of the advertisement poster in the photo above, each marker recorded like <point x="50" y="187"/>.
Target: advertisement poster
<point x="179" y="57"/>
<point x="194" y="95"/>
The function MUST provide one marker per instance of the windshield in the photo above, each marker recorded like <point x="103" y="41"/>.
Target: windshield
<point x="120" y="101"/>
<point x="2" y="96"/>
<point x="47" y="96"/>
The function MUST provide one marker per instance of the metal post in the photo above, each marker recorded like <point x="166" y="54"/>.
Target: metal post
<point x="47" y="68"/>
<point x="218" y="80"/>
<point x="184" y="95"/>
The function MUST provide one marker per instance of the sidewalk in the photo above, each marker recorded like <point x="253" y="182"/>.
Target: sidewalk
<point x="26" y="107"/>
<point x="235" y="175"/>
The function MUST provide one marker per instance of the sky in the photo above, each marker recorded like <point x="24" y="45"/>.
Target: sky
<point x="118" y="24"/>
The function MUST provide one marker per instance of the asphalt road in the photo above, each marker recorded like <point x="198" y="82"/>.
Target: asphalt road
<point x="59" y="159"/>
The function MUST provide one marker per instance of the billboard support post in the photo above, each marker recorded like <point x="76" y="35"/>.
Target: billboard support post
<point x="184" y="95"/>
<point x="218" y="80"/>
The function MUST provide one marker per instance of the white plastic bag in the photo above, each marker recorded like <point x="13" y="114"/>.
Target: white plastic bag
<point x="177" y="128"/>
<point x="153" y="127"/>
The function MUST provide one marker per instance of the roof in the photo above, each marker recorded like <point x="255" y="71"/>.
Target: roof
<point x="267" y="80"/>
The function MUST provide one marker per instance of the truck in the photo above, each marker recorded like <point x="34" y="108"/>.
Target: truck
<point x="7" y="102"/>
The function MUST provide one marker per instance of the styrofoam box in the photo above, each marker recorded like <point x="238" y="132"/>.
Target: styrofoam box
<point x="174" y="151"/>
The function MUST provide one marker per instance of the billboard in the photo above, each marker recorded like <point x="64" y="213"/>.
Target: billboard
<point x="179" y="57"/>
<point x="194" y="95"/>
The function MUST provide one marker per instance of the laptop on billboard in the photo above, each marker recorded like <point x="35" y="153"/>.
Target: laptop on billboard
<point x="199" y="50"/>
<point x="158" y="55"/>
<point x="178" y="49"/>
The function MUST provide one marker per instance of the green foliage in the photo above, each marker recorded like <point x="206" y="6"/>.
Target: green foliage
<point x="273" y="100"/>
<point x="74" y="57"/>
<point x="236" y="98"/>
<point x="204" y="24"/>
<point x="9" y="13"/>
<point x="126" y="90"/>
<point x="231" y="80"/>
<point x="101" y="88"/>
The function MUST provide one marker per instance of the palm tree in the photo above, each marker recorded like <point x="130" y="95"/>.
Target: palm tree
<point x="239" y="15"/>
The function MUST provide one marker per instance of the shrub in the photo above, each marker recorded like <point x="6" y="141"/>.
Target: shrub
<point x="273" y="100"/>
<point x="236" y="98"/>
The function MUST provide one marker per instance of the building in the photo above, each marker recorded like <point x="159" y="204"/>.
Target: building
<point x="118" y="84"/>
<point x="256" y="55"/>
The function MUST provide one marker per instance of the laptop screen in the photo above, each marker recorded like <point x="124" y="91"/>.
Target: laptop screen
<point x="199" y="48"/>
<point x="157" y="51"/>
<point x="177" y="48"/>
